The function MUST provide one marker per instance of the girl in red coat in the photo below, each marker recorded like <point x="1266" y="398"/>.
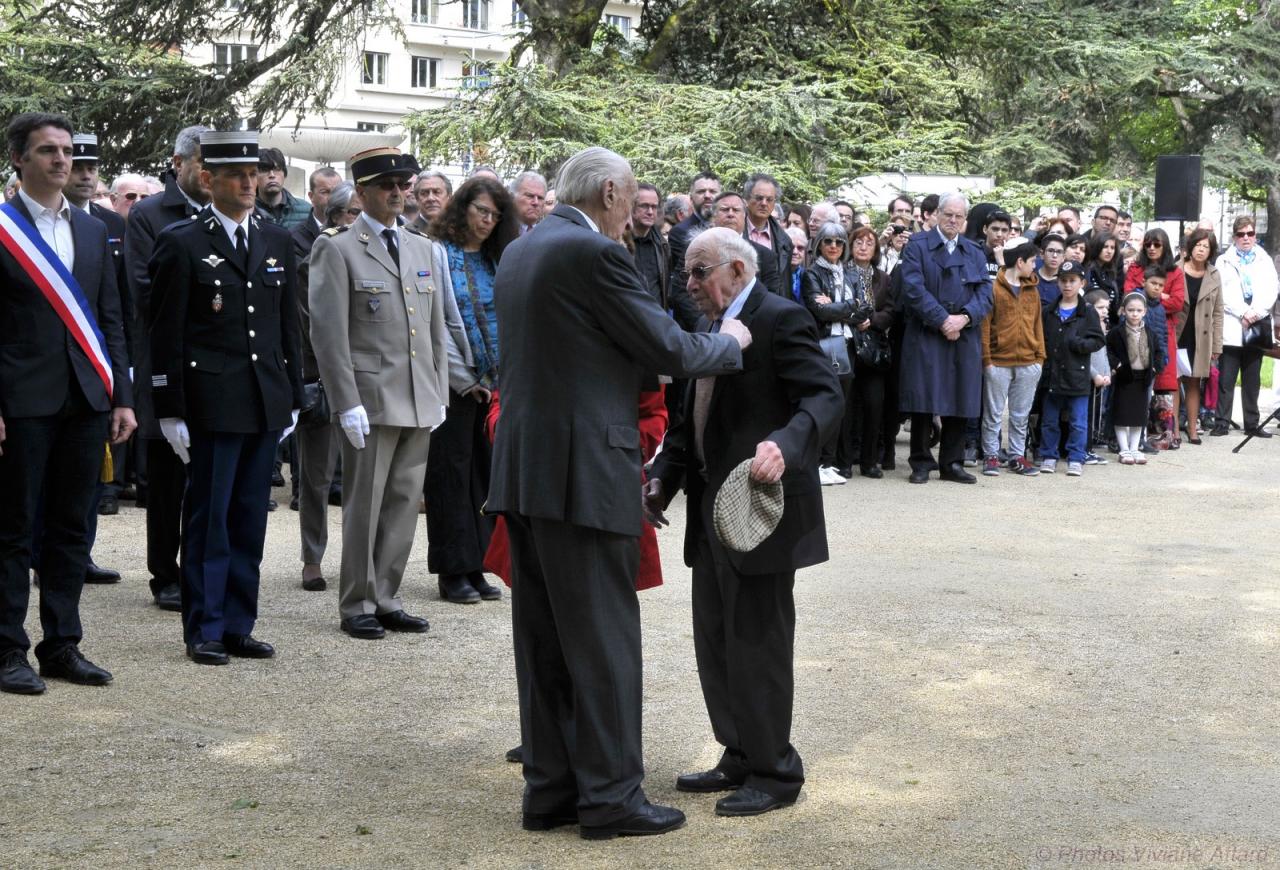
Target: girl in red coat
<point x="1156" y="251"/>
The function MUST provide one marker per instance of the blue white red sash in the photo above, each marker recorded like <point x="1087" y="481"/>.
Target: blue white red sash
<point x="60" y="288"/>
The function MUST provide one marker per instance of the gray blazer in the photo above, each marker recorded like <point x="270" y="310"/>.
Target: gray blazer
<point x="379" y="333"/>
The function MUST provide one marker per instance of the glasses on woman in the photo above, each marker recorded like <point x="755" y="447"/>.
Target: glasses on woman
<point x="390" y="184"/>
<point x="486" y="214"/>
<point x="1154" y="243"/>
<point x="839" y="243"/>
<point x="1246" y="234"/>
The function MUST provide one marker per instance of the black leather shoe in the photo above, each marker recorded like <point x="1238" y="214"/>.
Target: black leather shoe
<point x="246" y="646"/>
<point x="365" y="626"/>
<point x="398" y="620"/>
<point x="515" y="755"/>
<point x="169" y="598"/>
<point x="845" y="471"/>
<point x="548" y="821"/>
<point x="277" y="479"/>
<point x="748" y="801"/>
<point x="873" y="472"/>
<point x="457" y="589"/>
<point x="1219" y="429"/>
<point x="956" y="474"/>
<point x="209" y="652"/>
<point x="70" y="664"/>
<point x="101" y="576"/>
<point x="488" y="592"/>
<point x="108" y="506"/>
<point x="707" y="781"/>
<point x="271" y="505"/>
<point x="16" y="675"/>
<point x="919" y="475"/>
<point x="1258" y="433"/>
<point x="314" y="584"/>
<point x="293" y="503"/>
<point x="648" y="820"/>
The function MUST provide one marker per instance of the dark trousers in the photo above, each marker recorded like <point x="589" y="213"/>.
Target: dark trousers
<point x="457" y="484"/>
<point x="58" y="457"/>
<point x="576" y="626"/>
<point x="224" y="526"/>
<point x="869" y="386"/>
<point x="1246" y="363"/>
<point x="744" y="632"/>
<point x="838" y="451"/>
<point x="950" y="449"/>
<point x="166" y="482"/>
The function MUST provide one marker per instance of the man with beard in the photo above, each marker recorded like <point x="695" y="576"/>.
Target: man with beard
<point x="702" y="193"/>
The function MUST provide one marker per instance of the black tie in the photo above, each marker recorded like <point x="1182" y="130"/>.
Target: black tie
<point x="242" y="249"/>
<point x="392" y="247"/>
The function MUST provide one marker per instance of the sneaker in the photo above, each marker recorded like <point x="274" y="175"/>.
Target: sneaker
<point x="1049" y="466"/>
<point x="971" y="457"/>
<point x="1139" y="459"/>
<point x="1094" y="459"/>
<point x="1075" y="469"/>
<point x="991" y="467"/>
<point x="1020" y="465"/>
<point x="828" y="476"/>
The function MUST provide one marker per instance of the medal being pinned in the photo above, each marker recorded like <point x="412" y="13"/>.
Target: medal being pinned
<point x="217" y="303"/>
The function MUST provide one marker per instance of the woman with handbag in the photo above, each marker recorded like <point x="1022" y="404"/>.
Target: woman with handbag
<point x="475" y="226"/>
<point x="872" y="355"/>
<point x="1200" y="340"/>
<point x="1248" y="292"/>
<point x="830" y="292"/>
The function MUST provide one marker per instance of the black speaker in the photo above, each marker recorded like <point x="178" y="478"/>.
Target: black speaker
<point x="1178" y="187"/>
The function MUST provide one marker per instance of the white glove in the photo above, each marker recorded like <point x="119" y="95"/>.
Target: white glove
<point x="355" y="424"/>
<point x="179" y="438"/>
<point x="288" y="430"/>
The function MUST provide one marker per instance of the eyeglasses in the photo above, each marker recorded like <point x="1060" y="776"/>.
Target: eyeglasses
<point x="1053" y="252"/>
<point x="131" y="196"/>
<point x="487" y="214"/>
<point x="389" y="184"/>
<point x="354" y="212"/>
<point x="1154" y="243"/>
<point x="761" y="198"/>
<point x="646" y="206"/>
<point x="837" y="242"/>
<point x="699" y="273"/>
<point x="1246" y="234"/>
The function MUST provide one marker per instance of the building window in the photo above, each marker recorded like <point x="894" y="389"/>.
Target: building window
<point x="621" y="22"/>
<point x="370" y="127"/>
<point x="375" y="68"/>
<point x="425" y="11"/>
<point x="424" y="72"/>
<point x="518" y="16"/>
<point x="226" y="55"/>
<point x="476" y="74"/>
<point x="475" y="14"/>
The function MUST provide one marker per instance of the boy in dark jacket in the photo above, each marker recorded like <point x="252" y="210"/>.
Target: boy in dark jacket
<point x="1072" y="332"/>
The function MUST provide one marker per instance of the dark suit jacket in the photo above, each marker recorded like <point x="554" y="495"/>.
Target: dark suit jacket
<point x="578" y="332"/>
<point x="768" y="274"/>
<point x="39" y="360"/>
<point x="115" y="241"/>
<point x="304" y="236"/>
<point x="781" y="251"/>
<point x="146" y="219"/>
<point x="786" y="393"/>
<point x="224" y="341"/>
<point x="681" y="303"/>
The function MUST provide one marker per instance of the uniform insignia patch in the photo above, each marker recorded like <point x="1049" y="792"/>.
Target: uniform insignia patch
<point x="364" y="237"/>
<point x="424" y="274"/>
<point x="217" y="303"/>
<point x="374" y="303"/>
<point x="271" y="261"/>
<point x="159" y="380"/>
<point x="213" y="260"/>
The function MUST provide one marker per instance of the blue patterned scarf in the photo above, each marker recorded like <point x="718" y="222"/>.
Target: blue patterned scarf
<point x="484" y="348"/>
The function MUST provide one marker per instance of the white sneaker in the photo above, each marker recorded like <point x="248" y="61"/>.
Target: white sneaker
<point x="1075" y="469"/>
<point x="828" y="476"/>
<point x="1048" y="466"/>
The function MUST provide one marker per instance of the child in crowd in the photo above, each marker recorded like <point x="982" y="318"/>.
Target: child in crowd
<point x="1136" y="352"/>
<point x="1072" y="333"/>
<point x="1100" y="371"/>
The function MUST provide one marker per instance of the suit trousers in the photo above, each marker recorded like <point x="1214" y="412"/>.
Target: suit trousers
<point x="380" y="490"/>
<point x="316" y="453"/>
<point x="223" y="532"/>
<point x="744" y="630"/>
<point x="950" y="449"/>
<point x="166" y="483"/>
<point x="457" y="484"/>
<point x="58" y="457"/>
<point x="868" y="385"/>
<point x="576" y="627"/>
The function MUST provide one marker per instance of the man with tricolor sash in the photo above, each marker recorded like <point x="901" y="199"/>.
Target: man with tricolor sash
<point x="64" y="390"/>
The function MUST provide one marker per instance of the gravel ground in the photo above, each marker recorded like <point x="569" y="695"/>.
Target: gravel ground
<point x="1024" y="673"/>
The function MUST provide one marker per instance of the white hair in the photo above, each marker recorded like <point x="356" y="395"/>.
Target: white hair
<point x="528" y="175"/>
<point x="828" y="208"/>
<point x="948" y="197"/>
<point x="127" y="178"/>
<point x="583" y="174"/>
<point x="728" y="246"/>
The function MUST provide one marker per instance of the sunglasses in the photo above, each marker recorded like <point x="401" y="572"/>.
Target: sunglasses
<point x="1154" y="243"/>
<point x="839" y="242"/>
<point x="133" y="196"/>
<point x="1246" y="234"/>
<point x="389" y="184"/>
<point x="353" y="212"/>
<point x="699" y="273"/>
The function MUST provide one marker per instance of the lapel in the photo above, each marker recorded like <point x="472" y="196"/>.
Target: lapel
<point x="218" y="239"/>
<point x="257" y="247"/>
<point x="755" y="295"/>
<point x="378" y="250"/>
<point x="81" y="269"/>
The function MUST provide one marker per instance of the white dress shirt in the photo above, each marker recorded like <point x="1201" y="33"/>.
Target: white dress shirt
<point x="378" y="229"/>
<point x="587" y="218"/>
<point x="54" y="226"/>
<point x="229" y="226"/>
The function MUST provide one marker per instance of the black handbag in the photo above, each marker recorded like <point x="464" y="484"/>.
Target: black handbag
<point x="871" y="346"/>
<point x="315" y="405"/>
<point x="836" y="351"/>
<point x="1260" y="335"/>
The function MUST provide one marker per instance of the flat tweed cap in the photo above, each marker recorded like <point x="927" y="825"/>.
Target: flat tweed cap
<point x="746" y="512"/>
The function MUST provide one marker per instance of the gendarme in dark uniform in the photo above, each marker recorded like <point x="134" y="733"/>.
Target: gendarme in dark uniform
<point x="226" y="383"/>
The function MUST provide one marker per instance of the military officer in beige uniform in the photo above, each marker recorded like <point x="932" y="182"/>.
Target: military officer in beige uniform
<point x="378" y="329"/>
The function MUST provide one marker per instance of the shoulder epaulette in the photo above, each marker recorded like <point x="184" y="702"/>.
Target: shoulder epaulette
<point x="333" y="231"/>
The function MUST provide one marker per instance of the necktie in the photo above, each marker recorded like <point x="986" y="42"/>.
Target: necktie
<point x="951" y="246"/>
<point x="242" y="249"/>
<point x="702" y="390"/>
<point x="393" y="247"/>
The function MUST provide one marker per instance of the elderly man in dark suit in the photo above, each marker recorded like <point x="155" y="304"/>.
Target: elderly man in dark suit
<point x="578" y="333"/>
<point x="776" y="413"/>
<point x="64" y="391"/>
<point x="946" y="292"/>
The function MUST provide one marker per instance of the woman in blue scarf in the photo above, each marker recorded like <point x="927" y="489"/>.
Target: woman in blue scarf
<point x="473" y="229"/>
